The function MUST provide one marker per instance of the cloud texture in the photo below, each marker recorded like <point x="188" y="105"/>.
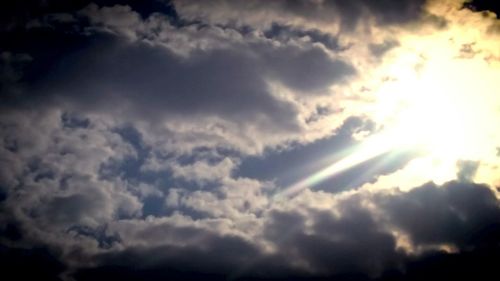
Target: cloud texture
<point x="154" y="140"/>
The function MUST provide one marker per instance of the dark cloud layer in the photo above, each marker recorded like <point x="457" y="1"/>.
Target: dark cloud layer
<point x="29" y="264"/>
<point x="385" y="12"/>
<point x="104" y="73"/>
<point x="354" y="246"/>
<point x="350" y="13"/>
<point x="461" y="214"/>
<point x="15" y="14"/>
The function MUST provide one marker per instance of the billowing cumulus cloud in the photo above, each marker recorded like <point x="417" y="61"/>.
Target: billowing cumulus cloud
<point x="249" y="140"/>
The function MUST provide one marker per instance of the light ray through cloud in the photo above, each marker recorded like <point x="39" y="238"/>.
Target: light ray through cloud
<point x="370" y="148"/>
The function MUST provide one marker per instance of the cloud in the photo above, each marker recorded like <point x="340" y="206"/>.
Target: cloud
<point x="30" y="263"/>
<point x="481" y="5"/>
<point x="151" y="140"/>
<point x="354" y="236"/>
<point x="347" y="14"/>
<point x="333" y="245"/>
<point x="462" y="214"/>
<point x="379" y="50"/>
<point x="131" y="68"/>
<point x="300" y="161"/>
<point x="467" y="170"/>
<point x="238" y="230"/>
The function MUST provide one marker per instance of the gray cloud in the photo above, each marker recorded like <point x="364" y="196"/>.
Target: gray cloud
<point x="378" y="50"/>
<point x="129" y="72"/>
<point x="463" y="214"/>
<point x="467" y="170"/>
<point x="64" y="208"/>
<point x="349" y="244"/>
<point x="348" y="13"/>
<point x="307" y="71"/>
<point x="348" y="240"/>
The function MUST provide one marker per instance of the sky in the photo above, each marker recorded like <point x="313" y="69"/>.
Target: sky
<point x="249" y="140"/>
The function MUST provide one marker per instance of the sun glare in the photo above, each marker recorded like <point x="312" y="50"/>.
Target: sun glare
<point x="440" y="103"/>
<point x="441" y="110"/>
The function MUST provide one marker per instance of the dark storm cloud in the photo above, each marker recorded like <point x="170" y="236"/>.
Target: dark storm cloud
<point x="463" y="214"/>
<point x="213" y="256"/>
<point x="30" y="264"/>
<point x="479" y="264"/>
<point x="351" y="243"/>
